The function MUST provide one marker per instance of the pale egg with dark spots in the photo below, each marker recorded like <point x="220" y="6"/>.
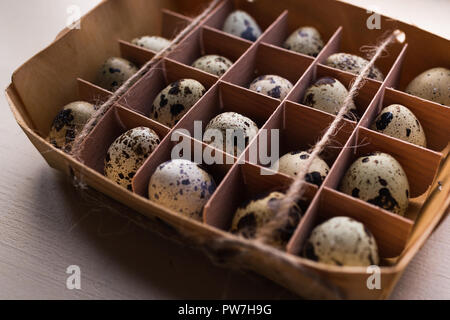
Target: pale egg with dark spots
<point x="306" y="40"/>
<point x="173" y="102"/>
<point x="433" y="85"/>
<point x="328" y="94"/>
<point x="292" y="162"/>
<point x="399" y="122"/>
<point x="342" y="241"/>
<point x="154" y="43"/>
<point x="378" y="179"/>
<point x="68" y="124"/>
<point x="181" y="186"/>
<point x="213" y="64"/>
<point x="230" y="132"/>
<point x="255" y="213"/>
<point x="353" y="64"/>
<point x="114" y="73"/>
<point x="271" y="85"/>
<point x="127" y="154"/>
<point x="241" y="24"/>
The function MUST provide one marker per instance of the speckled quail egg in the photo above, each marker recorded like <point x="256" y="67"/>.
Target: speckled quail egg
<point x="241" y="24"/>
<point x="306" y="40"/>
<point x="292" y="162"/>
<point x="241" y="130"/>
<point x="153" y="43"/>
<point x="433" y="85"/>
<point x="342" y="241"/>
<point x="272" y="86"/>
<point x="115" y="72"/>
<point x="127" y="153"/>
<point x="213" y="64"/>
<point x="182" y="186"/>
<point x="328" y="94"/>
<point x="353" y="64"/>
<point x="68" y="124"/>
<point x="379" y="180"/>
<point x="255" y="213"/>
<point x="399" y="122"/>
<point x="175" y="100"/>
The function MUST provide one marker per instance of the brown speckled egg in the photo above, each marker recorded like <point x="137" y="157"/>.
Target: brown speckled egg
<point x="379" y="180"/>
<point x="240" y="125"/>
<point x="127" y="153"/>
<point x="433" y="85"/>
<point x="115" y="72"/>
<point x="353" y="64"/>
<point x="342" y="241"/>
<point x="68" y="124"/>
<point x="399" y="122"/>
<point x="214" y="64"/>
<point x="272" y="86"/>
<point x="241" y="24"/>
<point x="182" y="186"/>
<point x="328" y="94"/>
<point x="291" y="163"/>
<point x="255" y="213"/>
<point x="153" y="43"/>
<point x="306" y="40"/>
<point x="175" y="100"/>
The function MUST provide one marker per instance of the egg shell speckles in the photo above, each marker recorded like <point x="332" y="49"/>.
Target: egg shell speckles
<point x="255" y="213"/>
<point x="213" y="64"/>
<point x="68" y="123"/>
<point x="306" y="40"/>
<point x="182" y="186"/>
<point x="272" y="86"/>
<point x="153" y="43"/>
<point x="328" y="94"/>
<point x="241" y="24"/>
<point x="399" y="122"/>
<point x="342" y="241"/>
<point x="433" y="85"/>
<point x="115" y="72"/>
<point x="175" y="100"/>
<point x="292" y="162"/>
<point x="380" y="180"/>
<point x="241" y="126"/>
<point x="127" y="153"/>
<point x="353" y="64"/>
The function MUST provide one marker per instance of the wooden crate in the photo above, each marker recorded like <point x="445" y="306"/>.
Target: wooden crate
<point x="65" y="71"/>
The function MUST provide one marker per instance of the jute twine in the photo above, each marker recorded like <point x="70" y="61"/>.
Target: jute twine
<point x="103" y="109"/>
<point x="297" y="188"/>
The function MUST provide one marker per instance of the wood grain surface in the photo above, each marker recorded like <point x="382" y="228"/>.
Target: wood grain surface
<point x="46" y="225"/>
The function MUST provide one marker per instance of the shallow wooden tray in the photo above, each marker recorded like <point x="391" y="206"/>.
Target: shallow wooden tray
<point x="65" y="71"/>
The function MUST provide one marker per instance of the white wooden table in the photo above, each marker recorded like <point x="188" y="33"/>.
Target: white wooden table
<point x="45" y="226"/>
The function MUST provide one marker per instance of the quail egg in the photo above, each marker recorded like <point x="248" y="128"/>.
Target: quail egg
<point x="214" y="64"/>
<point x="342" y="241"/>
<point x="272" y="86"/>
<point x="433" y="85"/>
<point x="399" y="122"/>
<point x="230" y="132"/>
<point x="182" y="186"/>
<point x="175" y="100"/>
<point x="353" y="64"/>
<point x="257" y="212"/>
<point x="379" y="180"/>
<point x="328" y="94"/>
<point x="292" y="162"/>
<point x="241" y="24"/>
<point x="153" y="43"/>
<point x="68" y="124"/>
<point x="114" y="73"/>
<point x="306" y="40"/>
<point x="127" y="153"/>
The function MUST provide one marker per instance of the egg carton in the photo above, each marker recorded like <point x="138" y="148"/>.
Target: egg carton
<point x="57" y="82"/>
